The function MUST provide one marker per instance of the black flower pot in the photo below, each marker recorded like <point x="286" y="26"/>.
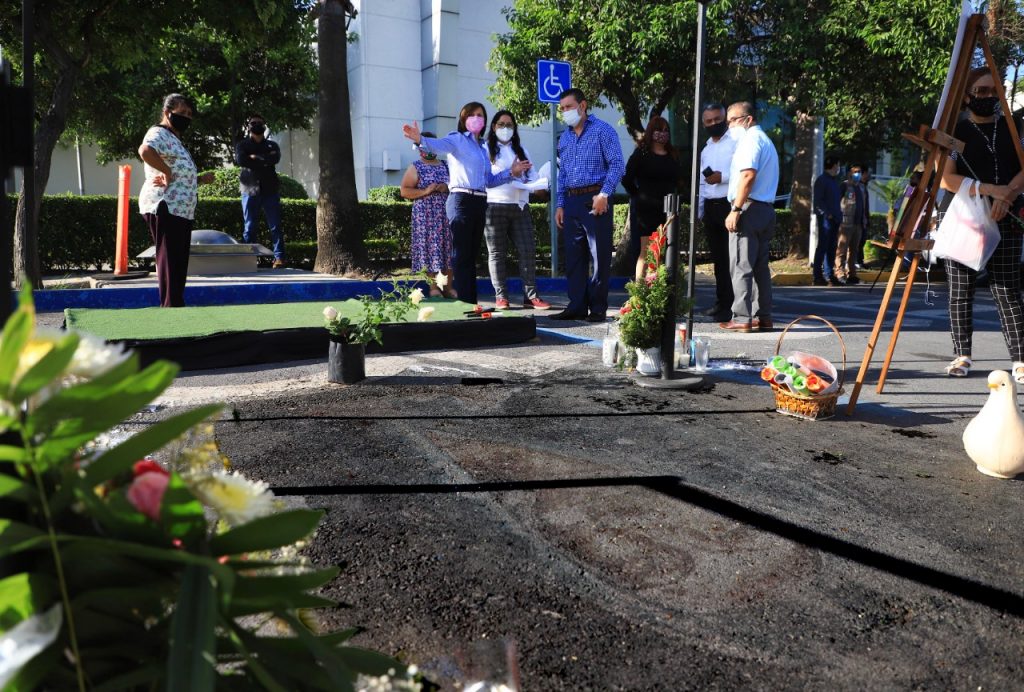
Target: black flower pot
<point x="346" y="363"/>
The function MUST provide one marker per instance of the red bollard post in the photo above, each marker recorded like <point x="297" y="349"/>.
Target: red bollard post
<point x="124" y="180"/>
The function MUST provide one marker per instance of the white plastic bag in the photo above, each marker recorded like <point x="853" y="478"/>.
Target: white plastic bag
<point x="967" y="233"/>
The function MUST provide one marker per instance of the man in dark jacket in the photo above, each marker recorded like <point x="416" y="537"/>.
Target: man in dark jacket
<point x="257" y="155"/>
<point x="829" y="213"/>
<point x="854" y="204"/>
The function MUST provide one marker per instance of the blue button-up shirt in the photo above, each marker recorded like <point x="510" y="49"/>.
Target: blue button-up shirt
<point x="592" y="158"/>
<point x="468" y="165"/>
<point x="755" y="151"/>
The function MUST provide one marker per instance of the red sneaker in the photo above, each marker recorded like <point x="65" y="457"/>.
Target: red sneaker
<point x="536" y="304"/>
<point x="501" y="304"/>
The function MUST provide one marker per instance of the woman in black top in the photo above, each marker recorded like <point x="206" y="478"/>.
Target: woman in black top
<point x="652" y="172"/>
<point x="990" y="158"/>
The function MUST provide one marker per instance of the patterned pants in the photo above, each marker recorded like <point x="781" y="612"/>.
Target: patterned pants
<point x="1004" y="282"/>
<point x="502" y="221"/>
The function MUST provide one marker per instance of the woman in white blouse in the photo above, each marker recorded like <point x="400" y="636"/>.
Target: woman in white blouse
<point x="168" y="198"/>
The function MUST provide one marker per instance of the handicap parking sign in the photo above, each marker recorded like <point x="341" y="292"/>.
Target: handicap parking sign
<point x="553" y="77"/>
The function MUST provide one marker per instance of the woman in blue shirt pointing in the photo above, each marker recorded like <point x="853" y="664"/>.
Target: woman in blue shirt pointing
<point x="469" y="177"/>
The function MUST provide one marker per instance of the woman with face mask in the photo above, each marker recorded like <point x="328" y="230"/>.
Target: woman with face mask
<point x="168" y="197"/>
<point x="990" y="158"/>
<point x="652" y="172"/>
<point x="425" y="184"/>
<point x="509" y="216"/>
<point x="470" y="176"/>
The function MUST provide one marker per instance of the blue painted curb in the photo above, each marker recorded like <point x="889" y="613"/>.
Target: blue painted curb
<point x="256" y="293"/>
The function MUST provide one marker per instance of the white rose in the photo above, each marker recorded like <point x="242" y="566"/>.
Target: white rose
<point x="330" y="313"/>
<point x="425" y="314"/>
<point x="416" y="295"/>
<point x="441" y="280"/>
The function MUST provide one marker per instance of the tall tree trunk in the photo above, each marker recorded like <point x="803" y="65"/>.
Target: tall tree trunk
<point x="339" y="227"/>
<point x="48" y="131"/>
<point x="800" y="193"/>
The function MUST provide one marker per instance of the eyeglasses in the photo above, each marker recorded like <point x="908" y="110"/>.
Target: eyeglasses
<point x="504" y="124"/>
<point x="983" y="91"/>
<point x="736" y="118"/>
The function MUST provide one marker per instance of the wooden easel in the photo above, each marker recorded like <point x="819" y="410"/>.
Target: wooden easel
<point x="938" y="142"/>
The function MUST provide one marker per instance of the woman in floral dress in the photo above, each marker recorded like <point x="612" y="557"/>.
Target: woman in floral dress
<point x="426" y="183"/>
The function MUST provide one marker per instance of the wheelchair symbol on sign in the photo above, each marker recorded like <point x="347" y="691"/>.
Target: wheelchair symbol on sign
<point x="552" y="85"/>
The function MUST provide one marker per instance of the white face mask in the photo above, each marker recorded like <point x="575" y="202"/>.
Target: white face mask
<point x="736" y="133"/>
<point x="571" y="118"/>
<point x="504" y="134"/>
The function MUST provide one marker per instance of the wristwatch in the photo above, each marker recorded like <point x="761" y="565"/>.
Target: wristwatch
<point x="738" y="210"/>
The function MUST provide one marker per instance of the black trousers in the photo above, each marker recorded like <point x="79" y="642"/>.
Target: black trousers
<point x="715" y="211"/>
<point x="172" y="236"/>
<point x="466" y="217"/>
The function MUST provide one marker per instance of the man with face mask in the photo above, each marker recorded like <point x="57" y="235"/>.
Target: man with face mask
<point x="753" y="183"/>
<point x="590" y="166"/>
<point x="826" y="208"/>
<point x="257" y="155"/>
<point x="854" y="205"/>
<point x="715" y="160"/>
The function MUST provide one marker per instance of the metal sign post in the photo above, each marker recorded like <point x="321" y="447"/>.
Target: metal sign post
<point x="553" y="77"/>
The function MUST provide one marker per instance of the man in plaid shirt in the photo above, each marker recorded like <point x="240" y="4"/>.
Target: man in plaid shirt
<point x="590" y="165"/>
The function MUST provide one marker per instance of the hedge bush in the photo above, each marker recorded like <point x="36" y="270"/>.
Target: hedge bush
<point x="77" y="232"/>
<point x="385" y="193"/>
<point x="225" y="184"/>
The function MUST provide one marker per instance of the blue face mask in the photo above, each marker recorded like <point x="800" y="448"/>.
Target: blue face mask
<point x="855" y="177"/>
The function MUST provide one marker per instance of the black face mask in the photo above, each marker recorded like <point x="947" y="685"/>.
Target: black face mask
<point x="983" y="106"/>
<point x="257" y="128"/>
<point x="718" y="129"/>
<point x="179" y="122"/>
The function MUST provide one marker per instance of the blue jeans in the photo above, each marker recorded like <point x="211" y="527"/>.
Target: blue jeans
<point x="271" y="206"/>
<point x="825" y="250"/>
<point x="586" y="240"/>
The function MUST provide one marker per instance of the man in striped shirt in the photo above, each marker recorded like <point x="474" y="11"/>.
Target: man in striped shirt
<point x="590" y="165"/>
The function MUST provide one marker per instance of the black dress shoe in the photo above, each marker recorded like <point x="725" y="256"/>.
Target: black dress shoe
<point x="712" y="311"/>
<point x="820" y="282"/>
<point x="836" y="282"/>
<point x="566" y="315"/>
<point x="597" y="317"/>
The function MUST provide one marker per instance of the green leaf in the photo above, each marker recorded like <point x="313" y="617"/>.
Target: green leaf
<point x="181" y="514"/>
<point x="190" y="663"/>
<point x="281" y="586"/>
<point x="23" y="595"/>
<point x="48" y="369"/>
<point x="366" y="661"/>
<point x="267" y="533"/>
<point x="339" y="672"/>
<point x="12" y="488"/>
<point x="144" y="677"/>
<point x="11" y="453"/>
<point x="15" y="537"/>
<point x="120" y="458"/>
<point x="251" y="606"/>
<point x="16" y="333"/>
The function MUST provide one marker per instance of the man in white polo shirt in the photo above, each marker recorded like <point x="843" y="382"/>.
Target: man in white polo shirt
<point x="753" y="182"/>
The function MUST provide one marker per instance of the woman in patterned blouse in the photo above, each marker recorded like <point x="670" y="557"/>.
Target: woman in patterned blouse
<point x="168" y="198"/>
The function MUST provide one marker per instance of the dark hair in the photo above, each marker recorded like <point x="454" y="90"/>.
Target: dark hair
<point x="655" y="124"/>
<point x="830" y="162"/>
<point x="715" y="106"/>
<point x="256" y="116"/>
<point x="467" y="110"/>
<point x="492" y="139"/>
<point x="172" y="101"/>
<point x="974" y="75"/>
<point x="575" y="93"/>
<point x="747" y="107"/>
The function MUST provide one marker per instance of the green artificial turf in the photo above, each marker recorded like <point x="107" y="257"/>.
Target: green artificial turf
<point x="165" y="323"/>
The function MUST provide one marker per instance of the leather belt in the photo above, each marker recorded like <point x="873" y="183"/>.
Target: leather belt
<point x="716" y="200"/>
<point x="577" y="191"/>
<point x="467" y="191"/>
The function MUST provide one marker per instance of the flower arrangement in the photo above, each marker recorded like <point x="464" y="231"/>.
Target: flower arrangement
<point x="642" y="317"/>
<point x="390" y="306"/>
<point x="144" y="563"/>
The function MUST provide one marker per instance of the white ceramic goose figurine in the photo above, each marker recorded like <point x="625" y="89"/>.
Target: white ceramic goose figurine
<point x="994" y="439"/>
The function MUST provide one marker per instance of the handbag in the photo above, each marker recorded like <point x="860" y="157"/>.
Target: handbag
<point x="967" y="234"/>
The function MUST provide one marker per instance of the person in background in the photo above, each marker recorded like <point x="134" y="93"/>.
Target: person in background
<point x="753" y="182"/>
<point x="509" y="216"/>
<point x="853" y="202"/>
<point x="713" y="207"/>
<point x="990" y="158"/>
<point x="590" y="168"/>
<point x="469" y="177"/>
<point x="652" y="172"/>
<point x="425" y="184"/>
<point x="168" y="197"/>
<point x="866" y="234"/>
<point x="257" y="155"/>
<point x="829" y="213"/>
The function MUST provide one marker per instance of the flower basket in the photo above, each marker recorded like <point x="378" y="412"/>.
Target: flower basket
<point x="809" y="407"/>
<point x="346" y="363"/>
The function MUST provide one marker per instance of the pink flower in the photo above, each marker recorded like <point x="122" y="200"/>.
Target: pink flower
<point x="147" y="491"/>
<point x="625" y="309"/>
<point x="147" y="466"/>
<point x="651" y="278"/>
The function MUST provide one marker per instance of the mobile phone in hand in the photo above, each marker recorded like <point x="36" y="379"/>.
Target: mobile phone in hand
<point x="707" y="171"/>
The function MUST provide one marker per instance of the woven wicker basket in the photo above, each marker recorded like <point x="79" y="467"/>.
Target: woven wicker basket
<point x="809" y="407"/>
